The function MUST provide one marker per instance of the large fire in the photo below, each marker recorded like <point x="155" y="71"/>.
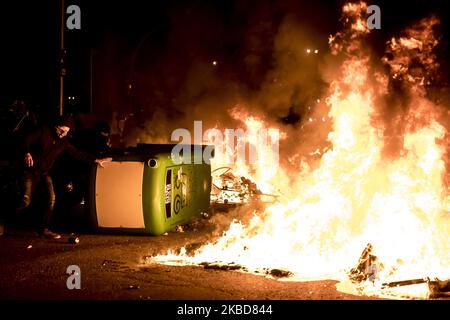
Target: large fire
<point x="357" y="194"/>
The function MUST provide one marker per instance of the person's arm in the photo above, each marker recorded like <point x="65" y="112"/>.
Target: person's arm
<point x="102" y="160"/>
<point x="29" y="140"/>
<point x="84" y="156"/>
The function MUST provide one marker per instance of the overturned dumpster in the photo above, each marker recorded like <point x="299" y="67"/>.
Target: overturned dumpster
<point x="144" y="191"/>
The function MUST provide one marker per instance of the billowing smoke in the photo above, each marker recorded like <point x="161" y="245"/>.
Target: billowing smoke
<point x="267" y="64"/>
<point x="270" y="63"/>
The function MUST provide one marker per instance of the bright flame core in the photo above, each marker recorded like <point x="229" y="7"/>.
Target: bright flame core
<point x="356" y="195"/>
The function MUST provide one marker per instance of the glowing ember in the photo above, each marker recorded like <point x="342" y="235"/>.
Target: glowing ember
<point x="357" y="195"/>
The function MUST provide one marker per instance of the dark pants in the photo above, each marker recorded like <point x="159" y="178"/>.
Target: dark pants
<point x="30" y="182"/>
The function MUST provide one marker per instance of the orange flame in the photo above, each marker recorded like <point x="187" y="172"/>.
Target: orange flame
<point x="356" y="196"/>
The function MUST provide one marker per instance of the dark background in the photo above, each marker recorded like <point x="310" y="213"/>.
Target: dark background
<point x="127" y="50"/>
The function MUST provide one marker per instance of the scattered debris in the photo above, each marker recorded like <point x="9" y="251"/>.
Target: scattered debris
<point x="367" y="268"/>
<point x="278" y="273"/>
<point x="29" y="246"/>
<point x="133" y="287"/>
<point x="369" y="265"/>
<point x="404" y="283"/>
<point x="73" y="239"/>
<point x="179" y="229"/>
<point x="165" y="234"/>
<point x="229" y="189"/>
<point x="224" y="267"/>
<point x="438" y="288"/>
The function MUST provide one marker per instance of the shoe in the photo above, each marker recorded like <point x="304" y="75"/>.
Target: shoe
<point x="47" y="234"/>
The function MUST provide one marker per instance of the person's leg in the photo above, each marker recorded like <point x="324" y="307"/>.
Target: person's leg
<point x="48" y="209"/>
<point x="28" y="185"/>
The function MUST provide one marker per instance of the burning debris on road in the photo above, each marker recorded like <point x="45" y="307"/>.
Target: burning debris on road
<point x="229" y="189"/>
<point x="368" y="267"/>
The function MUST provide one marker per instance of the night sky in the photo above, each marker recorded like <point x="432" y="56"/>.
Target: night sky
<point x="139" y="53"/>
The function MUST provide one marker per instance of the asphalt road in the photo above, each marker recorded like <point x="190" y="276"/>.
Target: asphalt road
<point x="113" y="267"/>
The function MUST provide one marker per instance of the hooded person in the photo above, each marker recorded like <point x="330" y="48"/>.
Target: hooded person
<point x="40" y="150"/>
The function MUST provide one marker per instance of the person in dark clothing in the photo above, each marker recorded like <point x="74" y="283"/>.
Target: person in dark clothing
<point x="95" y="140"/>
<point x="71" y="178"/>
<point x="41" y="149"/>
